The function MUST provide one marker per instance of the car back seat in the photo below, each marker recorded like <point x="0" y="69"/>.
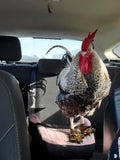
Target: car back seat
<point x="10" y="52"/>
<point x="25" y="74"/>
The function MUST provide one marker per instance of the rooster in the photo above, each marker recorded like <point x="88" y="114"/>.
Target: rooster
<point x="83" y="84"/>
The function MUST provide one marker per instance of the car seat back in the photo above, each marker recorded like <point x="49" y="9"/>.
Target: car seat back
<point x="14" y="143"/>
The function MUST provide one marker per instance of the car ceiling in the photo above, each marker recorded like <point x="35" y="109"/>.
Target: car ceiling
<point x="62" y="19"/>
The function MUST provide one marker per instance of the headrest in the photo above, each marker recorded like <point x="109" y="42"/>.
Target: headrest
<point x="50" y="67"/>
<point x="10" y="49"/>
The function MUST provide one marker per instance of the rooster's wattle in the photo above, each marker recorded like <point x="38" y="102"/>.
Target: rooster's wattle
<point x="83" y="84"/>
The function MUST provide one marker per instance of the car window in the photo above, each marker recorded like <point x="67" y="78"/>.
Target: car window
<point x="116" y="50"/>
<point x="34" y="49"/>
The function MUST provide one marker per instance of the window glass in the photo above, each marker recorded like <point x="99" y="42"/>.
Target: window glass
<point x="116" y="50"/>
<point x="34" y="49"/>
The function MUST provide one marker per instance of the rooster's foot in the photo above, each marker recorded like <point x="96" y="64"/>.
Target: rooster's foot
<point x="89" y="131"/>
<point x="76" y="136"/>
<point x="86" y="130"/>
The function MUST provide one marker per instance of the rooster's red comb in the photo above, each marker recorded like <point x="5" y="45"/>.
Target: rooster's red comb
<point x="87" y="41"/>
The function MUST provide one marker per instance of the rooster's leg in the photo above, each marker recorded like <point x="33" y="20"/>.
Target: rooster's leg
<point x="75" y="136"/>
<point x="82" y="123"/>
<point x="72" y="124"/>
<point x="86" y="130"/>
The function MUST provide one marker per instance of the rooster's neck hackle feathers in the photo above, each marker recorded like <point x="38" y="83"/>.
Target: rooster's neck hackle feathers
<point x="87" y="41"/>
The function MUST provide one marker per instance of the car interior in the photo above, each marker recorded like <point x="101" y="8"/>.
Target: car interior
<point x="32" y="126"/>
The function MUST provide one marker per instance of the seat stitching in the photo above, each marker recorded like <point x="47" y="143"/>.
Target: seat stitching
<point x="5" y="134"/>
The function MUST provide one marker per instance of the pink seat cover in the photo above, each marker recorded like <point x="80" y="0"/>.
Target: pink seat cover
<point x="60" y="136"/>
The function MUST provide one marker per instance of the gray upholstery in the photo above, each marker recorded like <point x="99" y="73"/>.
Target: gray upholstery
<point x="14" y="143"/>
<point x="10" y="49"/>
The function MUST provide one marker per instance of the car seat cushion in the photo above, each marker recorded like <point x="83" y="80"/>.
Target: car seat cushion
<point x="57" y="144"/>
<point x="60" y="136"/>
